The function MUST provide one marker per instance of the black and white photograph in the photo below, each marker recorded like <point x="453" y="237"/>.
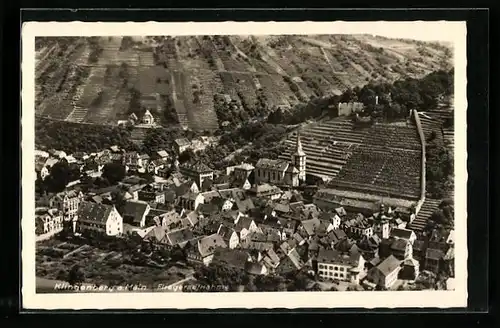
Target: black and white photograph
<point x="191" y="165"/>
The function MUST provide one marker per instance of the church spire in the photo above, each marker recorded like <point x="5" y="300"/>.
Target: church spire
<point x="299" y="159"/>
<point x="299" y="151"/>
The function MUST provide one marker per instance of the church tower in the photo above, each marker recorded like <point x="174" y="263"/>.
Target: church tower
<point x="299" y="160"/>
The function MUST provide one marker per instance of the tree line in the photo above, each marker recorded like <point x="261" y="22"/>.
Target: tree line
<point x="73" y="137"/>
<point x="395" y="100"/>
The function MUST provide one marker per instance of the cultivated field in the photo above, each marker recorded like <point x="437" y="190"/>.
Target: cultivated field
<point x="55" y="258"/>
<point x="92" y="80"/>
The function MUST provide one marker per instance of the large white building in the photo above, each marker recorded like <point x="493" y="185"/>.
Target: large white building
<point x="277" y="171"/>
<point x="334" y="265"/>
<point x="199" y="172"/>
<point x="68" y="203"/>
<point x="99" y="218"/>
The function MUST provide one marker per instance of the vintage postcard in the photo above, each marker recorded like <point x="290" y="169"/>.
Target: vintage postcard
<point x="244" y="165"/>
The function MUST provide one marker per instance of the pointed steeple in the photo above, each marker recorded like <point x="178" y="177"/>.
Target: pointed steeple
<point x="299" y="150"/>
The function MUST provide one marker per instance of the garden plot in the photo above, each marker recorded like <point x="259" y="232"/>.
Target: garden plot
<point x="287" y="95"/>
<point x="251" y="50"/>
<point x="336" y="66"/>
<point x="245" y="87"/>
<point x="92" y="87"/>
<point x="229" y="83"/>
<point x="179" y="100"/>
<point x="203" y="84"/>
<point x="268" y="89"/>
<point x="287" y="60"/>
<point x="57" y="249"/>
<point x="210" y="53"/>
<point x="108" y="256"/>
<point x="190" y="53"/>
<point x="105" y="267"/>
<point x="224" y="50"/>
<point x="153" y="80"/>
<point x="146" y="58"/>
<point x="83" y="56"/>
<point x="318" y="83"/>
<point x="111" y="42"/>
<point x="104" y="111"/>
<point x="113" y="57"/>
<point x="167" y="54"/>
<point x="147" y="80"/>
<point x="55" y="107"/>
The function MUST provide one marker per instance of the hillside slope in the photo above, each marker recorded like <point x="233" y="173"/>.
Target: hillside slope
<point x="205" y="80"/>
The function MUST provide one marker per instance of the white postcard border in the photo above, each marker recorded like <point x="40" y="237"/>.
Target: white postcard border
<point x="454" y="32"/>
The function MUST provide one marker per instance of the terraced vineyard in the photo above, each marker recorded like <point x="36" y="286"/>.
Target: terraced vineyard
<point x="431" y="127"/>
<point x="382" y="159"/>
<point x="259" y="72"/>
<point x="328" y="146"/>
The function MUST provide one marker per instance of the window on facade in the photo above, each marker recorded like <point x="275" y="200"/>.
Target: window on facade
<point x="320" y="266"/>
<point x="330" y="273"/>
<point x="336" y="274"/>
<point x="274" y="175"/>
<point x="342" y="269"/>
<point x="336" y="268"/>
<point x="320" y="271"/>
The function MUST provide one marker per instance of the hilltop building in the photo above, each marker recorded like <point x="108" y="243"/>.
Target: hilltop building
<point x="148" y="118"/>
<point x="348" y="108"/>
<point x="281" y="171"/>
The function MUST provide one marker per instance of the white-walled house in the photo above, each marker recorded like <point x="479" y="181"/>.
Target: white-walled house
<point x="68" y="203"/>
<point x="49" y="222"/>
<point x="100" y="218"/>
<point x="336" y="221"/>
<point x="404" y="234"/>
<point x="335" y="265"/>
<point x="244" y="226"/>
<point x="229" y="235"/>
<point x="204" y="249"/>
<point x="135" y="212"/>
<point x="386" y="273"/>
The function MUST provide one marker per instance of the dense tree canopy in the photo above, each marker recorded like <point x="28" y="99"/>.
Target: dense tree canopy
<point x="61" y="173"/>
<point x="255" y="140"/>
<point x="113" y="172"/>
<point x="439" y="169"/>
<point x="221" y="275"/>
<point x="75" y="275"/>
<point x="394" y="99"/>
<point x="270" y="283"/>
<point x="163" y="139"/>
<point x="403" y="95"/>
<point x="73" y="137"/>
